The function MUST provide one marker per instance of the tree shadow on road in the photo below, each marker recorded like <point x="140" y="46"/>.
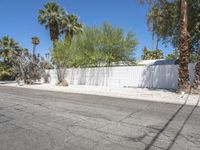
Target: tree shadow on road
<point x="168" y="123"/>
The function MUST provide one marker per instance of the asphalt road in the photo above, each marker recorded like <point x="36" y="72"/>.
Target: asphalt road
<point x="42" y="120"/>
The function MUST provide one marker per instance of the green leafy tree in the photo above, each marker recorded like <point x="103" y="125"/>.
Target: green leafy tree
<point x="152" y="54"/>
<point x="62" y="58"/>
<point x="116" y="47"/>
<point x="173" y="56"/>
<point x="87" y="47"/>
<point x="146" y="54"/>
<point x="104" y="45"/>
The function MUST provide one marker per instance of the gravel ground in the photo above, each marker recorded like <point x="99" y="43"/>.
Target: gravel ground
<point x="156" y="95"/>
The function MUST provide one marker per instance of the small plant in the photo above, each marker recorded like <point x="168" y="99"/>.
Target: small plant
<point x="61" y="58"/>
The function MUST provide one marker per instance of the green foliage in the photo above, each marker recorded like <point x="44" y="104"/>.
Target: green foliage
<point x="193" y="57"/>
<point x="70" y="26"/>
<point x="87" y="48"/>
<point x="152" y="54"/>
<point x="45" y="64"/>
<point x="17" y="62"/>
<point x="59" y="22"/>
<point x="51" y="16"/>
<point x="103" y="45"/>
<point x="35" y="40"/>
<point x="62" y="57"/>
<point x="164" y="20"/>
<point x="173" y="56"/>
<point x="62" y="54"/>
<point x="8" y="47"/>
<point x="6" y="72"/>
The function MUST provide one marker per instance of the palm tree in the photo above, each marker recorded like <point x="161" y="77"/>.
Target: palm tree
<point x="8" y="47"/>
<point x="153" y="21"/>
<point x="71" y="26"/>
<point x="50" y="17"/>
<point x="183" y="82"/>
<point x="35" y="42"/>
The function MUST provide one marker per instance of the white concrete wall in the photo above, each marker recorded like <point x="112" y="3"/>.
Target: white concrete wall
<point x="160" y="76"/>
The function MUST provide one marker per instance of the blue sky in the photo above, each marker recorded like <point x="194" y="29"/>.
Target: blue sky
<point x="19" y="20"/>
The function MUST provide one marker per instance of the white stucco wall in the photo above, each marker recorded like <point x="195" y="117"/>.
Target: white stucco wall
<point x="160" y="76"/>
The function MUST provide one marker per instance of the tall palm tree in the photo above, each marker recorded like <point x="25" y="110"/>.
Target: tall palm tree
<point x="183" y="71"/>
<point x="50" y="17"/>
<point x="35" y="42"/>
<point x="153" y="21"/>
<point x="183" y="82"/>
<point x="71" y="26"/>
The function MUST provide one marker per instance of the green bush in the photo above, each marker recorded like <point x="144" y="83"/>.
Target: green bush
<point x="101" y="46"/>
<point x="6" y="72"/>
<point x="4" y="75"/>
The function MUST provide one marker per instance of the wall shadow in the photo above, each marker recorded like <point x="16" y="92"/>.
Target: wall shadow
<point x="160" y="77"/>
<point x="168" y="123"/>
<point x="163" y="76"/>
<point x="99" y="76"/>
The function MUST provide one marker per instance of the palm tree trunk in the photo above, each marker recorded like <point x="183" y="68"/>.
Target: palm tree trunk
<point x="183" y="82"/>
<point x="34" y="56"/>
<point x="68" y="37"/>
<point x="152" y="46"/>
<point x="54" y="32"/>
<point x="157" y="41"/>
<point x="34" y="64"/>
<point x="34" y="47"/>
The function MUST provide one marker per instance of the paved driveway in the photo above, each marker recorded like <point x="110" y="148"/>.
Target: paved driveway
<point x="42" y="120"/>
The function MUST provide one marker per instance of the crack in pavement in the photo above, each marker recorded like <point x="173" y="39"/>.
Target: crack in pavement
<point x="130" y="115"/>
